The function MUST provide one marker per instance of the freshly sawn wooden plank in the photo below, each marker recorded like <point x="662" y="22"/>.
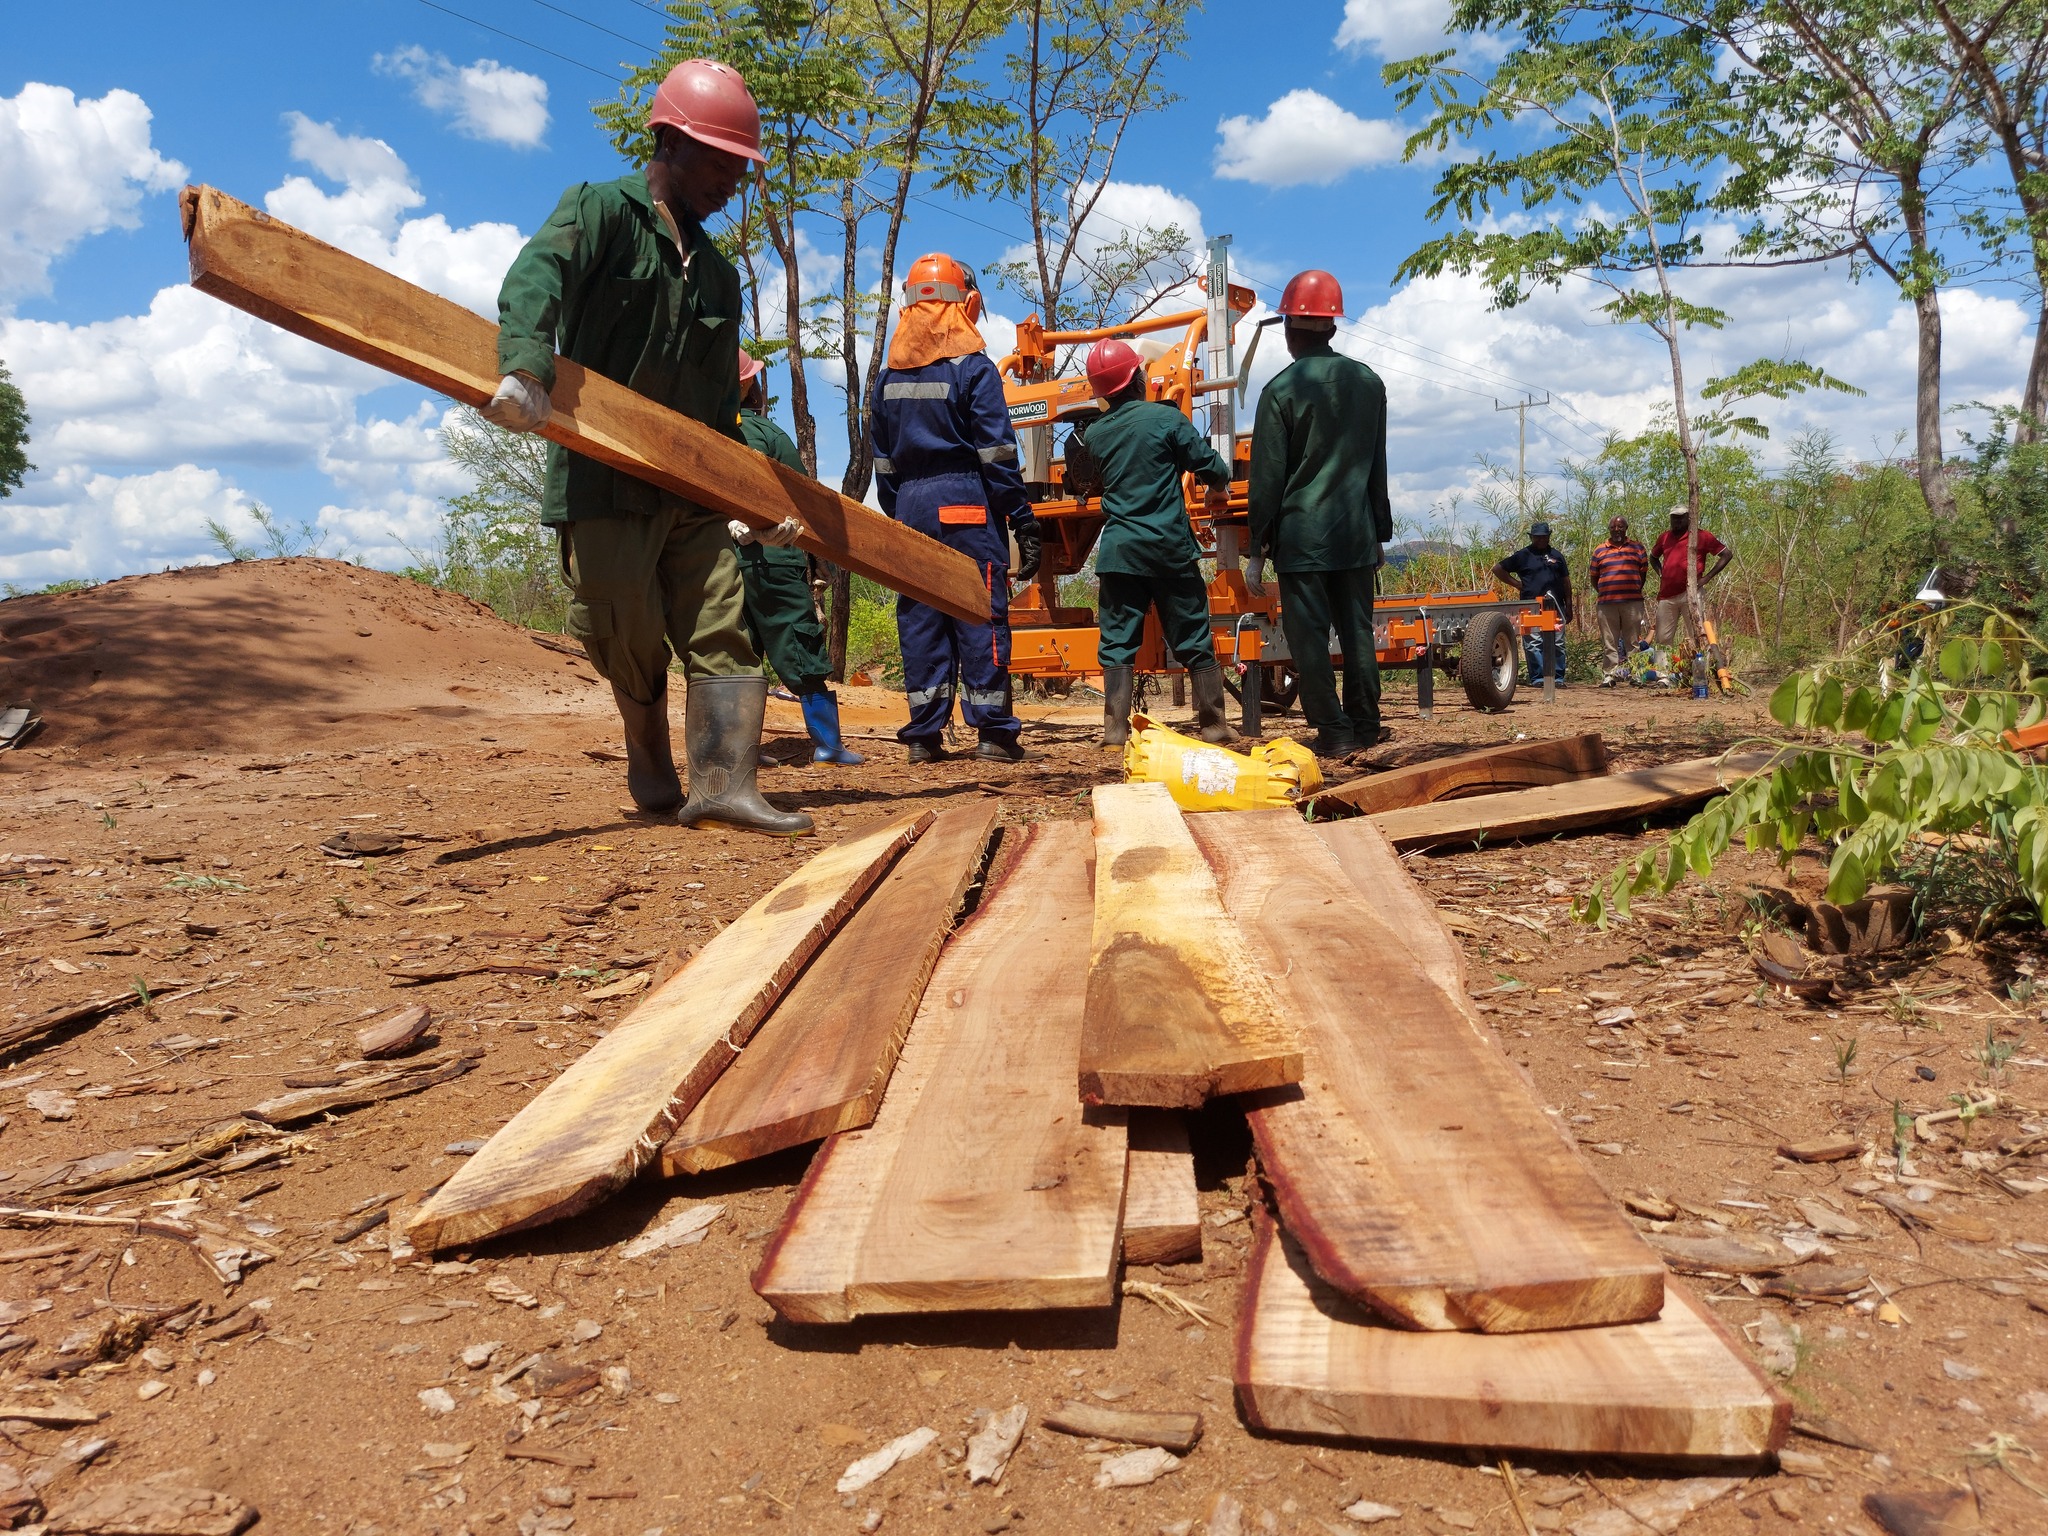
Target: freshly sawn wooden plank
<point x="1310" y="1363"/>
<point x="1178" y="1011"/>
<point x="1414" y="1167"/>
<point x="1162" y="1213"/>
<point x="982" y="1184"/>
<point x="604" y="1119"/>
<point x="1561" y="808"/>
<point x="1490" y="770"/>
<point x="822" y="1058"/>
<point x="285" y="276"/>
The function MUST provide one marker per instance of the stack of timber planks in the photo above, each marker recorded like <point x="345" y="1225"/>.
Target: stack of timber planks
<point x="1002" y="1099"/>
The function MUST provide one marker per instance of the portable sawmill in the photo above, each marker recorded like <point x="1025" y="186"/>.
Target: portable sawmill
<point x="1190" y="362"/>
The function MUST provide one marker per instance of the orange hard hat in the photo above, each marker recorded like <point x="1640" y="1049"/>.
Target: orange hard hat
<point x="1111" y="365"/>
<point x="1312" y="295"/>
<point x="936" y="278"/>
<point x="751" y="367"/>
<point x="710" y="102"/>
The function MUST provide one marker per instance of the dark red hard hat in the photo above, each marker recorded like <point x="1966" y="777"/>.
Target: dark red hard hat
<point x="710" y="102"/>
<point x="1313" y="294"/>
<point x="1111" y="365"/>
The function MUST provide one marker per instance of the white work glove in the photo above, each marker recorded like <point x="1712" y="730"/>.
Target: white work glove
<point x="742" y="533"/>
<point x="1255" y="575"/>
<point x="520" y="405"/>
<point x="783" y="534"/>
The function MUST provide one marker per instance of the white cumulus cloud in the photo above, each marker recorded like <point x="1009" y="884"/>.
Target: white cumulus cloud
<point x="1304" y="138"/>
<point x="1394" y="29"/>
<point x="70" y="169"/>
<point x="485" y="100"/>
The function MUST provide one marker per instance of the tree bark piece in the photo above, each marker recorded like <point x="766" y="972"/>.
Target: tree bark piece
<point x="1308" y="1362"/>
<point x="1490" y="770"/>
<point x="396" y="1031"/>
<point x="1176" y="1432"/>
<point x="1162" y="1215"/>
<point x="156" y="1507"/>
<point x="1178" y="1011"/>
<point x="822" y="1059"/>
<point x="1413" y="1165"/>
<point x="88" y="1010"/>
<point x="604" y="1119"/>
<point x="1564" y="807"/>
<point x="372" y="1088"/>
<point x="982" y="1185"/>
<point x="285" y="276"/>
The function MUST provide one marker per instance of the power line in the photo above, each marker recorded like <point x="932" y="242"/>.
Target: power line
<point x="586" y="21"/>
<point x="523" y="42"/>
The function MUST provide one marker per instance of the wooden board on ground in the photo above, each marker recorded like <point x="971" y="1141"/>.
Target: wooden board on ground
<point x="305" y="286"/>
<point x="822" y="1058"/>
<point x="1310" y="1363"/>
<point x="1490" y="770"/>
<point x="982" y="1185"/>
<point x="1412" y="1163"/>
<point x="1593" y="802"/>
<point x="1178" y="1010"/>
<point x="605" y="1118"/>
<point x="1162" y="1215"/>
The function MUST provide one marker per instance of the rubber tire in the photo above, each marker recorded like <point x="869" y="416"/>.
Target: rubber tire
<point x="1490" y="661"/>
<point x="1279" y="687"/>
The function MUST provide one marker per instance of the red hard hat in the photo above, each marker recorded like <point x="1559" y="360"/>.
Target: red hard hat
<point x="711" y="103"/>
<point x="1313" y="295"/>
<point x="750" y="368"/>
<point x="1111" y="365"/>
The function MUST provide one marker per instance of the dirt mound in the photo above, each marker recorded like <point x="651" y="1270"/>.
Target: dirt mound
<point x="271" y="656"/>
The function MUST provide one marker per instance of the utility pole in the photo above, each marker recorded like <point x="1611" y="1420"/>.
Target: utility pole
<point x="1521" y="410"/>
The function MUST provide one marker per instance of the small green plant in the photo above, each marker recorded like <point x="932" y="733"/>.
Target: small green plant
<point x="1967" y="1111"/>
<point x="141" y="990"/>
<point x="1902" y="1134"/>
<point x="2020" y="989"/>
<point x="1994" y="1054"/>
<point x="107" y="820"/>
<point x="1906" y="1011"/>
<point x="1845" y="1058"/>
<point x="341" y="906"/>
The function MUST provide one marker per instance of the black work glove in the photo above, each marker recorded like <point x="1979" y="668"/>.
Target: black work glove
<point x="1030" y="549"/>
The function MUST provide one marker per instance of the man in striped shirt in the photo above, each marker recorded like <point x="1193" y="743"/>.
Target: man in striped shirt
<point x="1618" y="569"/>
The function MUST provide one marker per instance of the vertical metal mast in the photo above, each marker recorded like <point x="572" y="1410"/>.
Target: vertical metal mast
<point x="1221" y="363"/>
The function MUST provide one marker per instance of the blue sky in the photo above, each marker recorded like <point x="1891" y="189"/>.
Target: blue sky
<point x="417" y="139"/>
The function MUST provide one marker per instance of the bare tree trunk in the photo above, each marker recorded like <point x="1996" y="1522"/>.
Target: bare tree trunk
<point x="783" y="237"/>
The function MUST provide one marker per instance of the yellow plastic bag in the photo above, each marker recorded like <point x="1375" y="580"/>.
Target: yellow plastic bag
<point x="1205" y="778"/>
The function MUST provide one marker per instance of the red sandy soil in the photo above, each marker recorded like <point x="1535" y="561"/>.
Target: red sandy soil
<point x="207" y="730"/>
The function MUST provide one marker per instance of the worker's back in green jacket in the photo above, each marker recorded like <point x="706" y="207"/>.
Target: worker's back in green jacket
<point x="603" y="284"/>
<point x="1318" y="492"/>
<point x="1144" y="447"/>
<point x="764" y="436"/>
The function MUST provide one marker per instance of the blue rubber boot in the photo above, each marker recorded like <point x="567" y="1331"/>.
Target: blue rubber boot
<point x="821" y="719"/>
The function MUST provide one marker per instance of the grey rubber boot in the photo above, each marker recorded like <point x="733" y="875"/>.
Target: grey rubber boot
<point x="1211" y="722"/>
<point x="1116" y="705"/>
<point x="650" y="764"/>
<point x="722" y="736"/>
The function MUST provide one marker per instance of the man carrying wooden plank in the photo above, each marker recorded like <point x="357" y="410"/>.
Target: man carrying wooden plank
<point x="623" y="279"/>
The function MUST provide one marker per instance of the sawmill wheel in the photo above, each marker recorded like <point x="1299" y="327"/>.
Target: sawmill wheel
<point x="1279" y="686"/>
<point x="1489" y="661"/>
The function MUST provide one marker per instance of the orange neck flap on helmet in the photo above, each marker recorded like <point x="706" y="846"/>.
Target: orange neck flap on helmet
<point x="927" y="332"/>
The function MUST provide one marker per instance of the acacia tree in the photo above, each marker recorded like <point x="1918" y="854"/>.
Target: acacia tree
<point x="1080" y="72"/>
<point x="14" y="464"/>
<point x="1627" y="111"/>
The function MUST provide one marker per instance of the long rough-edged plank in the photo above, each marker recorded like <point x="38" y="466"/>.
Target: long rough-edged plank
<point x="983" y="1184"/>
<point x="1563" y="807"/>
<point x="822" y="1058"/>
<point x="1490" y="770"/>
<point x="1162" y="1212"/>
<point x="1178" y="1010"/>
<point x="1413" y="1165"/>
<point x="604" y="1119"/>
<point x="1310" y="1363"/>
<point x="285" y="276"/>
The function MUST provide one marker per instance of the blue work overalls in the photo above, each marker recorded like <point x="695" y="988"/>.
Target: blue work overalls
<point x="946" y="465"/>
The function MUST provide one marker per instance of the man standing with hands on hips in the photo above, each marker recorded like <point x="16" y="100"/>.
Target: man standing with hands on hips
<point x="1318" y="510"/>
<point x="623" y="279"/>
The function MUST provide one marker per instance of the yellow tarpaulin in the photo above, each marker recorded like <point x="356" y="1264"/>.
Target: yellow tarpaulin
<point x="1205" y="778"/>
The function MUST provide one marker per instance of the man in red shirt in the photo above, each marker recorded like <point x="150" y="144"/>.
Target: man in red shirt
<point x="1618" y="568"/>
<point x="1667" y="556"/>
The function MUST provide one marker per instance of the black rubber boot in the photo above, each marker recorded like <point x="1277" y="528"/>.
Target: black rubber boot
<point x="1211" y="722"/>
<point x="650" y="764"/>
<point x="722" y="736"/>
<point x="1335" y="744"/>
<point x="1001" y="749"/>
<point x="1117" y="683"/>
<point x="925" y="752"/>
